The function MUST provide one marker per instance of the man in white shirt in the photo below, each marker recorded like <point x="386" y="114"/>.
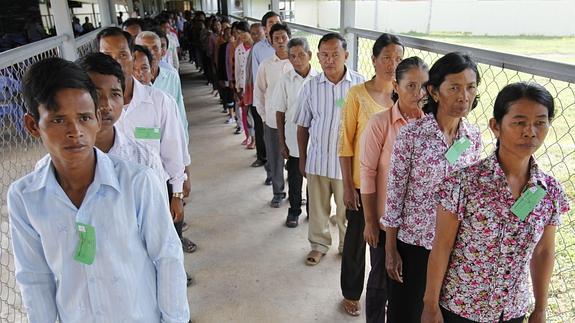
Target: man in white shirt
<point x="318" y="120"/>
<point x="285" y="101"/>
<point x="269" y="72"/>
<point x="151" y="117"/>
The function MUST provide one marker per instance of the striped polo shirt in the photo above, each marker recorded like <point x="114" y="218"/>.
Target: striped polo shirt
<point x="319" y="110"/>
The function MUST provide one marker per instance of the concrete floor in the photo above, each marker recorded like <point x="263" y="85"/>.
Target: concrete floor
<point x="248" y="267"/>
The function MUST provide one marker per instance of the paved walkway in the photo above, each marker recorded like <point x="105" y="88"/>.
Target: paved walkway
<point x="248" y="267"/>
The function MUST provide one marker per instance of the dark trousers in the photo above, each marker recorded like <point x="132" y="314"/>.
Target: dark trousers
<point x="377" y="284"/>
<point x="259" y="128"/>
<point x="275" y="163"/>
<point x="450" y="317"/>
<point x="406" y="299"/>
<point x="177" y="225"/>
<point x="353" y="258"/>
<point x="295" y="182"/>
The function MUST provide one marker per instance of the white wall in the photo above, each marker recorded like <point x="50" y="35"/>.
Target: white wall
<point x="479" y="17"/>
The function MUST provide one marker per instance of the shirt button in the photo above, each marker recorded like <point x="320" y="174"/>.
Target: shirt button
<point x="507" y="272"/>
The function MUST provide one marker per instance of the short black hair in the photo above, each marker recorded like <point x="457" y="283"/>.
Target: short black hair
<point x="132" y="22"/>
<point x="145" y="51"/>
<point x="452" y="63"/>
<point x="522" y="90"/>
<point x="267" y="16"/>
<point x="102" y="64"/>
<point x="243" y="26"/>
<point x="330" y="36"/>
<point x="160" y="20"/>
<point x="279" y="27"/>
<point x="113" y="32"/>
<point x="44" y="79"/>
<point x="383" y="41"/>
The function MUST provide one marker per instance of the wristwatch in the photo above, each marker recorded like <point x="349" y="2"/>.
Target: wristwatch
<point x="178" y="195"/>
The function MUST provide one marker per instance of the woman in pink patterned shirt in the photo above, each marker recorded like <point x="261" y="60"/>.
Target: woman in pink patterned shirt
<point x="496" y="220"/>
<point x="424" y="153"/>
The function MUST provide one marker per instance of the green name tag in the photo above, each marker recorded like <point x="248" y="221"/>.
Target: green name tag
<point x="86" y="248"/>
<point x="458" y="148"/>
<point x="527" y="202"/>
<point x="339" y="103"/>
<point x="147" y="133"/>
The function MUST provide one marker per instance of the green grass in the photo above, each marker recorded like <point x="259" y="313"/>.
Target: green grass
<point x="557" y="157"/>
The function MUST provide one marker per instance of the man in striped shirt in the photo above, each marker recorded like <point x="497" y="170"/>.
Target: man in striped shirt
<point x="318" y="120"/>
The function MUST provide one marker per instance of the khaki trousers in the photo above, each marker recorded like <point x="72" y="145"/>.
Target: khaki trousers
<point x="321" y="189"/>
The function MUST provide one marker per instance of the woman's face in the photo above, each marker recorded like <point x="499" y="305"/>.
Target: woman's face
<point x="410" y="88"/>
<point x="456" y="94"/>
<point x="523" y="128"/>
<point x="387" y="60"/>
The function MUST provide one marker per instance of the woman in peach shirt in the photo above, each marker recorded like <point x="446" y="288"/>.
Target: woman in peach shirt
<point x="375" y="154"/>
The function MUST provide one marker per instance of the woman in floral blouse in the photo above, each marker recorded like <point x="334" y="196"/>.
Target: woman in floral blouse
<point x="425" y="152"/>
<point x="495" y="218"/>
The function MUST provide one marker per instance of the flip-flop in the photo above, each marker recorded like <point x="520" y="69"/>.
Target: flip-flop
<point x="188" y="245"/>
<point x="313" y="257"/>
<point x="351" y="307"/>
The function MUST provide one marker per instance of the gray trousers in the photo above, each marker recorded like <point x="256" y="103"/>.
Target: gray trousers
<point x="275" y="160"/>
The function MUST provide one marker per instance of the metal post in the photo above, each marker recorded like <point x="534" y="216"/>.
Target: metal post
<point x="105" y="16"/>
<point x="64" y="27"/>
<point x="275" y="6"/>
<point x="141" y="8"/>
<point x="130" y="4"/>
<point x="347" y="20"/>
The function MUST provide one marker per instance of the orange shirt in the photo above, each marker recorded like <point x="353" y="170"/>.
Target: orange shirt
<point x="376" y="146"/>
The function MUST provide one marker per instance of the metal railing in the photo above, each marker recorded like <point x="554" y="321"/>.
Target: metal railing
<point x="18" y="151"/>
<point x="556" y="157"/>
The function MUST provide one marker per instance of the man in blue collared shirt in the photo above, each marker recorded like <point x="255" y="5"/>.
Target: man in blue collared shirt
<point x="92" y="234"/>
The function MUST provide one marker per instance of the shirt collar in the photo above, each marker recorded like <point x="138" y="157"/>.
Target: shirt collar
<point x="140" y="94"/>
<point x="104" y="174"/>
<point x="293" y="74"/>
<point x="346" y="77"/>
<point x="535" y="175"/>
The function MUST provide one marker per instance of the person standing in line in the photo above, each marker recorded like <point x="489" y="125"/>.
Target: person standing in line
<point x="284" y="100"/>
<point x="376" y="145"/>
<point x="142" y="66"/>
<point x="362" y="101"/>
<point x="496" y="222"/>
<point x="262" y="50"/>
<point x="318" y="120"/>
<point x="269" y="72"/>
<point x="257" y="34"/>
<point x="424" y="153"/>
<point x="240" y="58"/>
<point x="150" y="116"/>
<point x="89" y="230"/>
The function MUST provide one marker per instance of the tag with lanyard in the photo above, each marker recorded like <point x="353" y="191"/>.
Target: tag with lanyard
<point x="458" y="148"/>
<point x="339" y="103"/>
<point x="147" y="133"/>
<point x="86" y="247"/>
<point x="527" y="202"/>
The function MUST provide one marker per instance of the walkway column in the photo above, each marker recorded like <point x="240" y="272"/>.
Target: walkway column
<point x="347" y="20"/>
<point x="63" y="24"/>
<point x="130" y="4"/>
<point x="275" y="6"/>
<point x="105" y="16"/>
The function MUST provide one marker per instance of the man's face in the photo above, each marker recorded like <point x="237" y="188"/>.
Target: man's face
<point x="154" y="45"/>
<point x="110" y="98"/>
<point x="332" y="56"/>
<point x="299" y="58"/>
<point x="279" y="40"/>
<point x="257" y="34"/>
<point x="133" y="30"/>
<point x="164" y="45"/>
<point x="270" y="22"/>
<point x="142" y="68"/>
<point x="69" y="133"/>
<point x="117" y="48"/>
<point x="165" y="27"/>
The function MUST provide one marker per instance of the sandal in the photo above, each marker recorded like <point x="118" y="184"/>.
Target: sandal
<point x="351" y="307"/>
<point x="188" y="246"/>
<point x="313" y="258"/>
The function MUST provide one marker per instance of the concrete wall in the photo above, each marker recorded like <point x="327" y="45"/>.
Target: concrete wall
<point x="479" y="17"/>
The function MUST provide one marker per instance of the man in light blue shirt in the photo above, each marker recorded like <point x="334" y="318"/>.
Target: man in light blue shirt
<point x="92" y="234"/>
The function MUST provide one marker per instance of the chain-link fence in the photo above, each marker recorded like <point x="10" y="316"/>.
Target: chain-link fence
<point x="556" y="157"/>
